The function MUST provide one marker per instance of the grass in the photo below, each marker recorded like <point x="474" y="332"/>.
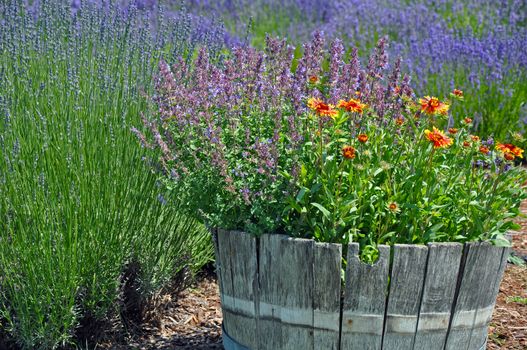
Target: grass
<point x="517" y="299"/>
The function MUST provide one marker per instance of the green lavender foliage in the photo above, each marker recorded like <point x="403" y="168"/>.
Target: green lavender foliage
<point x="78" y="200"/>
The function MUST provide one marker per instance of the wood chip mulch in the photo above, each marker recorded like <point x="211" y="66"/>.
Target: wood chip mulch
<point x="508" y="328"/>
<point x="193" y="321"/>
<point x="190" y="322"/>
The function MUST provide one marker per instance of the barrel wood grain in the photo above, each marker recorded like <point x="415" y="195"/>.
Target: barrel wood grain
<point x="326" y="297"/>
<point x="269" y="274"/>
<point x="495" y="260"/>
<point x="438" y="295"/>
<point x="296" y="295"/>
<point x="364" y="300"/>
<point x="217" y="261"/>
<point x="240" y="298"/>
<point x="283" y="293"/>
<point x="404" y="299"/>
<point x="224" y="264"/>
<point x="477" y="271"/>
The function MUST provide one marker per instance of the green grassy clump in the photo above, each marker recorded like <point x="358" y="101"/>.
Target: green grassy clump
<point x="78" y="199"/>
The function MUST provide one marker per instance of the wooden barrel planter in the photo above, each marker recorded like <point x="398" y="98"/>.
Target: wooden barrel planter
<point x="279" y="292"/>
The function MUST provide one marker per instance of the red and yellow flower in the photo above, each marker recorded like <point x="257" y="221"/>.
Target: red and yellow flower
<point x="453" y="131"/>
<point x="362" y="138"/>
<point x="322" y="109"/>
<point x="348" y="152"/>
<point x="438" y="138"/>
<point x="432" y="106"/>
<point x="467" y="120"/>
<point x="484" y="149"/>
<point x="313" y="79"/>
<point x="509" y="150"/>
<point x="474" y="138"/>
<point x="457" y="94"/>
<point x="353" y="105"/>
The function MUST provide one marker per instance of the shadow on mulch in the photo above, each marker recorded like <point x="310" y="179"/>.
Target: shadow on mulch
<point x="190" y="320"/>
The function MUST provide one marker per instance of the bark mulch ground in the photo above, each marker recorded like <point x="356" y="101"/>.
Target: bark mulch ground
<point x="193" y="320"/>
<point x="508" y="328"/>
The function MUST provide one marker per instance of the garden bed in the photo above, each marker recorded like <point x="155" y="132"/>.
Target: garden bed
<point x="194" y="320"/>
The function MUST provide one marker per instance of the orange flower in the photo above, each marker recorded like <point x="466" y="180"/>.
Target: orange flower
<point x="484" y="149"/>
<point x="321" y="108"/>
<point x="466" y="144"/>
<point x="438" y="138"/>
<point x="399" y="121"/>
<point x="313" y="79"/>
<point x="352" y="105"/>
<point x="453" y="131"/>
<point x="474" y="138"/>
<point x="467" y="120"/>
<point x="457" y="93"/>
<point x="509" y="150"/>
<point x="397" y="90"/>
<point x="432" y="105"/>
<point x="363" y="138"/>
<point x="314" y="102"/>
<point x="348" y="152"/>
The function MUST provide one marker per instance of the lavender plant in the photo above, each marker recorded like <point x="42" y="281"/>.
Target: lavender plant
<point x="77" y="201"/>
<point x="329" y="151"/>
<point x="476" y="45"/>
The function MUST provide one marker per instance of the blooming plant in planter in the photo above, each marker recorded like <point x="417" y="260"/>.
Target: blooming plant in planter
<point x="322" y="148"/>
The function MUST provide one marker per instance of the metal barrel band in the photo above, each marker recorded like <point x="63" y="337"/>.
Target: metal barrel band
<point x="484" y="347"/>
<point x="229" y="343"/>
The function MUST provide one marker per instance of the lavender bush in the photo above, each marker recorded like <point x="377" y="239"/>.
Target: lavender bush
<point x="328" y="150"/>
<point x="474" y="45"/>
<point x="80" y="209"/>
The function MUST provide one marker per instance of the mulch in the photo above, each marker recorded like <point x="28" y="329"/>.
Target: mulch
<point x="193" y="319"/>
<point x="508" y="328"/>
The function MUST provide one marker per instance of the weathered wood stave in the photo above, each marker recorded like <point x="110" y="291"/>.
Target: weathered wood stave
<point x="282" y="298"/>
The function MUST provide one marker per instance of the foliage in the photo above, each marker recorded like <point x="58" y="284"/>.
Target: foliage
<point x="329" y="151"/>
<point x="476" y="44"/>
<point x="77" y="202"/>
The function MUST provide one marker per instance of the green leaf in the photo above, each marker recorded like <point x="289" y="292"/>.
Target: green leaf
<point x="516" y="260"/>
<point x="501" y="241"/>
<point x="301" y="194"/>
<point x="323" y="210"/>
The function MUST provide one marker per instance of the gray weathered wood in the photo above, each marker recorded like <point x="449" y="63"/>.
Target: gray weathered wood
<point x="224" y="266"/>
<point x="496" y="260"/>
<point x="479" y="269"/>
<point x="241" y="296"/>
<point x="296" y="296"/>
<point x="406" y="286"/>
<point x="283" y="293"/>
<point x="269" y="274"/>
<point x="217" y="261"/>
<point x="438" y="295"/>
<point x="326" y="297"/>
<point x="364" y="300"/>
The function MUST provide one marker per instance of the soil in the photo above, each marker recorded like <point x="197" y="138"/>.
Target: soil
<point x="193" y="319"/>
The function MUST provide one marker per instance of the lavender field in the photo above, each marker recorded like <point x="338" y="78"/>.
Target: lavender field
<point x="95" y="222"/>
